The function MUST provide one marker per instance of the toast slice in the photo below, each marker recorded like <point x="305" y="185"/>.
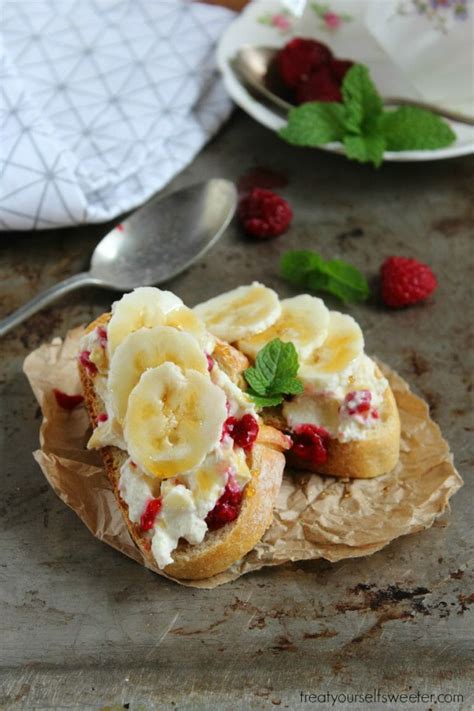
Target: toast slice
<point x="223" y="547"/>
<point x="373" y="456"/>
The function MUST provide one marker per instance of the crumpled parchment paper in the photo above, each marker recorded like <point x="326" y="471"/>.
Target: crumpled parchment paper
<point x="315" y="516"/>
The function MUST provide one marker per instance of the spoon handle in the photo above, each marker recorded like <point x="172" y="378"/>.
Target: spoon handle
<point x="43" y="299"/>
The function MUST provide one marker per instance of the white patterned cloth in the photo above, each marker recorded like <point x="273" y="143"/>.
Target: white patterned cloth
<point x="102" y="102"/>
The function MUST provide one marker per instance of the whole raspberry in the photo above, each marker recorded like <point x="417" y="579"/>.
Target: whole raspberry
<point x="299" y="58"/>
<point x="264" y="213"/>
<point x="339" y="68"/>
<point x="405" y="281"/>
<point x="319" y="86"/>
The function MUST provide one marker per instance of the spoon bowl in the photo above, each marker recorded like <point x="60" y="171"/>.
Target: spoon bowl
<point x="154" y="244"/>
<point x="165" y="236"/>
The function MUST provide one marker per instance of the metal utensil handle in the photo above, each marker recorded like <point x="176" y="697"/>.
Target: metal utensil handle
<point x="43" y="299"/>
<point x="434" y="108"/>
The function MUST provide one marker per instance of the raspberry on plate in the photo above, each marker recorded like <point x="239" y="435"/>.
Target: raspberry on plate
<point x="299" y="58"/>
<point x="405" y="281"/>
<point x="319" y="86"/>
<point x="263" y="213"/>
<point x="339" y="68"/>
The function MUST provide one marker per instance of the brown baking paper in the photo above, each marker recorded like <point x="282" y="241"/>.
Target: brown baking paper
<point x="315" y="516"/>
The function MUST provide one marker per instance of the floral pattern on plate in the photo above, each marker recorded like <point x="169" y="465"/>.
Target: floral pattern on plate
<point x="281" y="21"/>
<point x="439" y="12"/>
<point x="330" y="20"/>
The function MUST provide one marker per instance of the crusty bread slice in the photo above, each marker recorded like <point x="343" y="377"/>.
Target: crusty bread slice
<point x="358" y="459"/>
<point x="225" y="546"/>
<point x="373" y="456"/>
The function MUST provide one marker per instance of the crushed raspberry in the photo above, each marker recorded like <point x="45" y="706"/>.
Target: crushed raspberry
<point x="339" y="68"/>
<point x="320" y="86"/>
<point x="210" y="362"/>
<point x="148" y="517"/>
<point x="299" y="58"/>
<point x="227" y="507"/>
<point x="405" y="281"/>
<point x="310" y="443"/>
<point x="67" y="402"/>
<point x="264" y="213"/>
<point x="358" y="402"/>
<point x="102" y="334"/>
<point x="133" y="465"/>
<point x="375" y="414"/>
<point x="85" y="360"/>
<point x="244" y="432"/>
<point x="102" y="417"/>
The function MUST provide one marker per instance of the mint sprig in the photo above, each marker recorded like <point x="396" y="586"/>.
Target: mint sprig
<point x="361" y="124"/>
<point x="274" y="374"/>
<point x="310" y="271"/>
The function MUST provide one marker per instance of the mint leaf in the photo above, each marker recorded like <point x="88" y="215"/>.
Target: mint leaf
<point x="344" y="281"/>
<point x="314" y="124"/>
<point x="256" y="380"/>
<point x="366" y="148"/>
<point x="361" y="100"/>
<point x="277" y="362"/>
<point x="296" y="263"/>
<point x="309" y="270"/>
<point x="265" y="401"/>
<point x="410" y="128"/>
<point x="274" y="374"/>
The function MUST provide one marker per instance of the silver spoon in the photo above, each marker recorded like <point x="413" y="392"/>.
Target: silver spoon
<point x="154" y="244"/>
<point x="255" y="67"/>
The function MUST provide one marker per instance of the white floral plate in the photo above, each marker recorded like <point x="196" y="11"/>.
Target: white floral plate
<point x="369" y="32"/>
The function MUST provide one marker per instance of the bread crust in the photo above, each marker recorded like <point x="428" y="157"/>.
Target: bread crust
<point x="223" y="547"/>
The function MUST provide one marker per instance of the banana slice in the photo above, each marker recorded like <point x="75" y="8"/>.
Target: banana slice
<point x="173" y="420"/>
<point x="304" y="321"/>
<point x="185" y="319"/>
<point x="343" y="345"/>
<point x="241" y="312"/>
<point x="143" y="307"/>
<point x="149" y="348"/>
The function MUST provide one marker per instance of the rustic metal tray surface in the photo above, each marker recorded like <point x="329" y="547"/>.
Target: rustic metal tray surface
<point x="81" y="626"/>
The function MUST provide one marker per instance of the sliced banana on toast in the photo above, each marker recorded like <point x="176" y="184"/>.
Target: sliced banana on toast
<point x="241" y="312"/>
<point x="303" y="321"/>
<point x="148" y="348"/>
<point x="173" y="420"/>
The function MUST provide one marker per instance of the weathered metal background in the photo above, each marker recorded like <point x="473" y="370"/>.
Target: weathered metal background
<point x="84" y="627"/>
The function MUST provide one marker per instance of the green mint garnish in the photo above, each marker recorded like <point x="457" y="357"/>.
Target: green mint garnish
<point x="361" y="124"/>
<point x="409" y="128"/>
<point x="274" y="374"/>
<point x="315" y="123"/>
<point x="310" y="271"/>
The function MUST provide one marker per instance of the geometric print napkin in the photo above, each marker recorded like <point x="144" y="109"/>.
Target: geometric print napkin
<point x="102" y="102"/>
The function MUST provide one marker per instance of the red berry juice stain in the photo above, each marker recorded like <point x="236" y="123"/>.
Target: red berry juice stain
<point x="261" y="177"/>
